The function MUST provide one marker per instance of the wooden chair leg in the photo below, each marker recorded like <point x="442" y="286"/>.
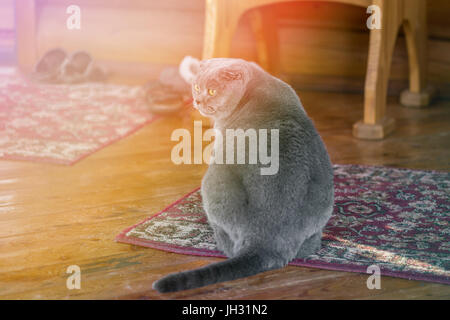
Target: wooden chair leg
<point x="415" y="26"/>
<point x="222" y="17"/>
<point x="220" y="24"/>
<point x="375" y="124"/>
<point x="264" y="25"/>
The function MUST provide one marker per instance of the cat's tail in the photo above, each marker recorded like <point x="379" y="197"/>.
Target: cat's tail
<point x="245" y="264"/>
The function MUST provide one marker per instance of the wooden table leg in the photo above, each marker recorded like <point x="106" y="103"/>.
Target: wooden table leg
<point x="375" y="124"/>
<point x="419" y="93"/>
<point x="220" y="24"/>
<point x="264" y="26"/>
<point x="222" y="17"/>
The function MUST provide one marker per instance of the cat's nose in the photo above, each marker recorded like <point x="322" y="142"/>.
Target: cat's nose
<point x="197" y="102"/>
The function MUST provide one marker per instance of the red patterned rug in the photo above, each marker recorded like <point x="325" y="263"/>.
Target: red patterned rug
<point x="397" y="219"/>
<point x="64" y="123"/>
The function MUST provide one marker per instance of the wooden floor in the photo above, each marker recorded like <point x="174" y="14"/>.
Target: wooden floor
<point x="54" y="216"/>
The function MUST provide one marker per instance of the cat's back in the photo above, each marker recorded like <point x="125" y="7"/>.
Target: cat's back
<point x="276" y="105"/>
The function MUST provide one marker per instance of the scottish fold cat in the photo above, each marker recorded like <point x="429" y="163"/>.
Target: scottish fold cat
<point x="261" y="222"/>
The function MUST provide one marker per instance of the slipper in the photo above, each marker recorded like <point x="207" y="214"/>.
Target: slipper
<point x="80" y="67"/>
<point x="171" y="77"/>
<point x="164" y="100"/>
<point x="77" y="67"/>
<point x="48" y="68"/>
<point x="97" y="74"/>
<point x="172" y="92"/>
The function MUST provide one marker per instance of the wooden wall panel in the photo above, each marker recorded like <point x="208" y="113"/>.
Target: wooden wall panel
<point x="438" y="19"/>
<point x="6" y="14"/>
<point x="7" y="36"/>
<point x="323" y="45"/>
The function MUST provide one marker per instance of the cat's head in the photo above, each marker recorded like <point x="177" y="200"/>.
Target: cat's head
<point x="219" y="86"/>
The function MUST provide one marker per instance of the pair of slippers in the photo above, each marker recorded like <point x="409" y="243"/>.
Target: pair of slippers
<point x="56" y="66"/>
<point x="171" y="93"/>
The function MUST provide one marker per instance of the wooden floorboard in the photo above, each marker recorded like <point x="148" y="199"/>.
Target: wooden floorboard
<point x="53" y="216"/>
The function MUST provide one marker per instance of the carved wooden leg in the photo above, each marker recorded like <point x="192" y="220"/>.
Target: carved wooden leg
<point x="222" y="18"/>
<point x="220" y="24"/>
<point x="265" y="30"/>
<point x="415" y="25"/>
<point x="375" y="124"/>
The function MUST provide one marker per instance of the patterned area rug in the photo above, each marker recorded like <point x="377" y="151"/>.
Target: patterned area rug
<point x="396" y="219"/>
<point x="64" y="123"/>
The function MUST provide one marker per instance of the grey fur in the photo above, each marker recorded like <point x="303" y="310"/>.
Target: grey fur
<point x="260" y="222"/>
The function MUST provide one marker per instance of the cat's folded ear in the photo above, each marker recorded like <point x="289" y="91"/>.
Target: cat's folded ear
<point x="230" y="74"/>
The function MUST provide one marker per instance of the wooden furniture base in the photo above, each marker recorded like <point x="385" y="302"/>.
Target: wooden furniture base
<point x="222" y="17"/>
<point x="376" y="131"/>
<point x="418" y="100"/>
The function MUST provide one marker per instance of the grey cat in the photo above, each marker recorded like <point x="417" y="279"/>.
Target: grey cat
<point x="261" y="222"/>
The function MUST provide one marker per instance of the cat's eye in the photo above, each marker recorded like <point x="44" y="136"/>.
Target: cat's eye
<point x="211" y="92"/>
<point x="197" y="88"/>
